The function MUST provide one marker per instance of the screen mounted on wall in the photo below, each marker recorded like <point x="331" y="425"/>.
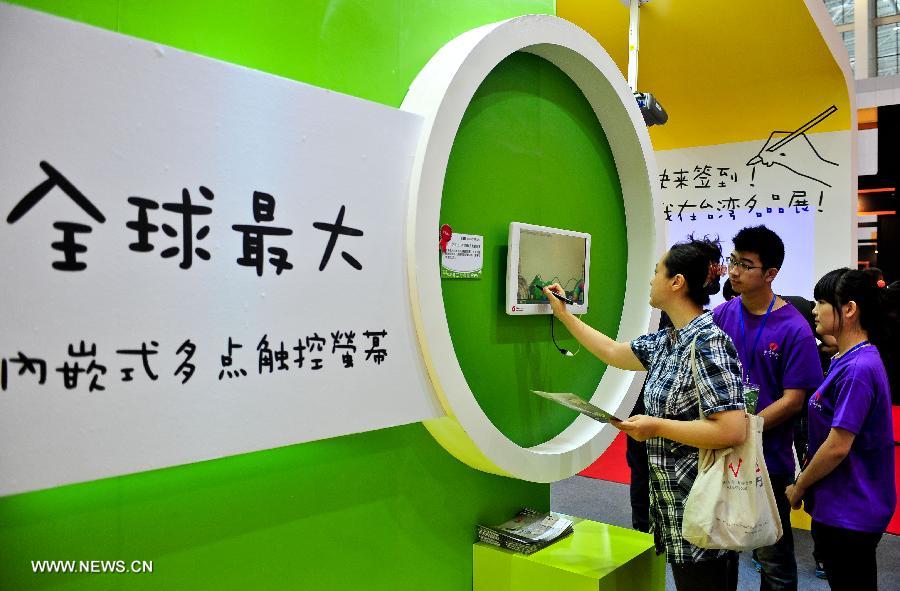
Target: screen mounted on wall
<point x="539" y="256"/>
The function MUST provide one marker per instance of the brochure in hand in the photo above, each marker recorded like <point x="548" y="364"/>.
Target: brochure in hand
<point x="527" y="532"/>
<point x="577" y="403"/>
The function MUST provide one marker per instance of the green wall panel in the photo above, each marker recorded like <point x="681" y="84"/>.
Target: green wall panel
<point x="530" y="149"/>
<point x="310" y="516"/>
<point x="367" y="48"/>
<point x="306" y="516"/>
<point x="99" y="13"/>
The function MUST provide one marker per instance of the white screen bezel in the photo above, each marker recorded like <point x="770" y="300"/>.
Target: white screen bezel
<point x="513" y="307"/>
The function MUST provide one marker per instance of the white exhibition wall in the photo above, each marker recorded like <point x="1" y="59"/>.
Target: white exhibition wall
<point x="167" y="297"/>
<point x="801" y="190"/>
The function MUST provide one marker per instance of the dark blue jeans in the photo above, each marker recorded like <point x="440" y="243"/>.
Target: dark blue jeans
<point x="779" y="566"/>
<point x="848" y="556"/>
<point x="639" y="490"/>
<point x="718" y="574"/>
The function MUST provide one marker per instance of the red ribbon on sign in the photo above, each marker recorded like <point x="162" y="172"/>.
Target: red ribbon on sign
<point x="446" y="235"/>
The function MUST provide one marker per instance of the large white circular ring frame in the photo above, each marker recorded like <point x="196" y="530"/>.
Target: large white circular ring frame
<point x="441" y="93"/>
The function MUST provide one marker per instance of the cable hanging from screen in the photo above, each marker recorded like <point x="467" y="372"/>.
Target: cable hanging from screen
<point x="565" y="352"/>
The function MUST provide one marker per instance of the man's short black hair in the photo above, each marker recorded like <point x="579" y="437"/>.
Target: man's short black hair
<point x="762" y="241"/>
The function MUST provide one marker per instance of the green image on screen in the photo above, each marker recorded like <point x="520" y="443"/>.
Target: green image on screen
<point x="546" y="258"/>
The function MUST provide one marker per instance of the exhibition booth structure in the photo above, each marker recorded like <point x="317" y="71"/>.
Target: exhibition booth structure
<point x="273" y="280"/>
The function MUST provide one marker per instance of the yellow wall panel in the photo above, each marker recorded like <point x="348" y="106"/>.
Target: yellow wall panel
<point x="724" y="71"/>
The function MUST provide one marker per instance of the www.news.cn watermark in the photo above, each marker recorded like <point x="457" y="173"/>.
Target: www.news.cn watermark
<point x="92" y="566"/>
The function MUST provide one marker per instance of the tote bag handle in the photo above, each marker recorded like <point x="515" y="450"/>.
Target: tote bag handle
<point x="696" y="376"/>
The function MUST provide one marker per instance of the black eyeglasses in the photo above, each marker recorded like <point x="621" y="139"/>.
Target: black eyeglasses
<point x="733" y="262"/>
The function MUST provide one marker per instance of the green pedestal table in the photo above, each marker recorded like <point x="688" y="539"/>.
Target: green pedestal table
<point x="596" y="557"/>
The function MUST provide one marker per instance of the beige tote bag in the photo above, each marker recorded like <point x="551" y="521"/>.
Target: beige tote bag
<point x="731" y="505"/>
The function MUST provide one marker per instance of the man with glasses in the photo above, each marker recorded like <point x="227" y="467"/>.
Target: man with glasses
<point x="780" y="362"/>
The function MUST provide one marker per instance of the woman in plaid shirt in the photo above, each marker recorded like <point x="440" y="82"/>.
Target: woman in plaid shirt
<point x="673" y="429"/>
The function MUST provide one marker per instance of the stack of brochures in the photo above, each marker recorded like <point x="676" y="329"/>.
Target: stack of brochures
<point x="527" y="532"/>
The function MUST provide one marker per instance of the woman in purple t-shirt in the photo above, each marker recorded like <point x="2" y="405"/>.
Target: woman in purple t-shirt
<point x="848" y="483"/>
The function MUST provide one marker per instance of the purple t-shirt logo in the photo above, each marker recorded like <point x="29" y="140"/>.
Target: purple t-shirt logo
<point x="816" y="400"/>
<point x="772" y="351"/>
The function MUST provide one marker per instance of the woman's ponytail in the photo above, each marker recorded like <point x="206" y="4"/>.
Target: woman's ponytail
<point x="699" y="261"/>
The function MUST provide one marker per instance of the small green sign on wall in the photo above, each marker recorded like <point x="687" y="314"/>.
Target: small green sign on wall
<point x="461" y="255"/>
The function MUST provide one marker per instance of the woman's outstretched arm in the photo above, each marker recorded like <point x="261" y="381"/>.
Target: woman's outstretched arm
<point x="609" y="351"/>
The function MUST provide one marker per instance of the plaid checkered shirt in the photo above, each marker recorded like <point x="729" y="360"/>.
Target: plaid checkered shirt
<point x="669" y="392"/>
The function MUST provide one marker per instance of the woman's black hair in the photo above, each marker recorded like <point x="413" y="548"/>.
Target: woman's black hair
<point x="698" y="261"/>
<point x="728" y="291"/>
<point x="878" y="304"/>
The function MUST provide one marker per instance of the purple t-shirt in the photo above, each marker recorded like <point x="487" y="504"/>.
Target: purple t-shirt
<point x="859" y="494"/>
<point x="786" y="357"/>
